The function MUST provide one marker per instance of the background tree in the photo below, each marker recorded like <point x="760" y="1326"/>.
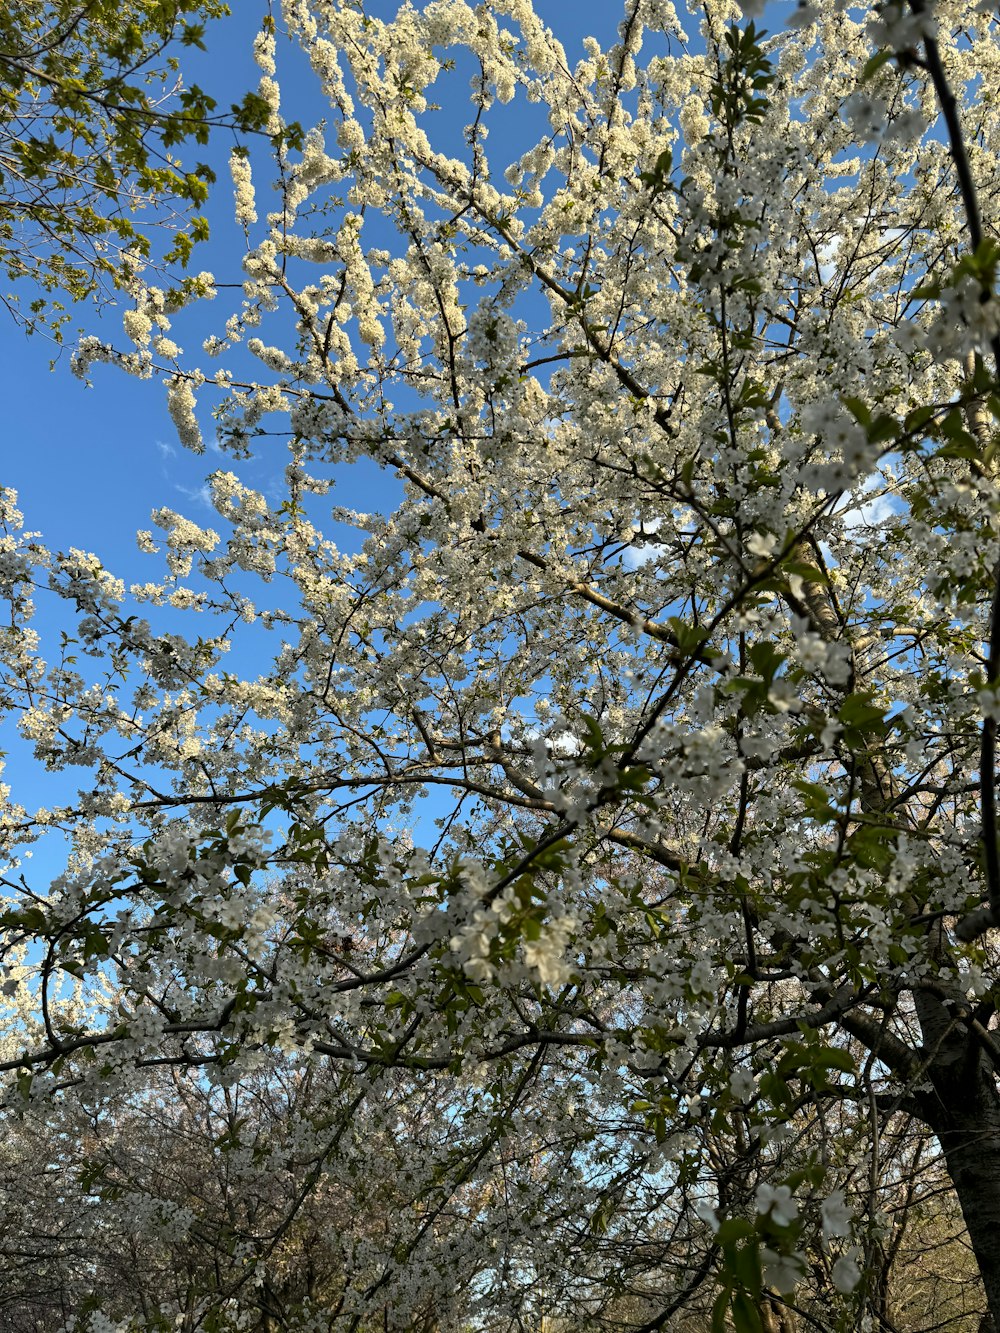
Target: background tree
<point x="271" y="1195"/>
<point x="93" y="113"/>
<point x="628" y="790"/>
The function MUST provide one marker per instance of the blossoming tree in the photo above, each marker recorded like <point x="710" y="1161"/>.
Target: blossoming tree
<point x="93" y="109"/>
<point x="621" y="791"/>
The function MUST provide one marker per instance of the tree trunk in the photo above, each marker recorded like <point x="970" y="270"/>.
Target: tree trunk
<point x="964" y="1113"/>
<point x="775" y="1317"/>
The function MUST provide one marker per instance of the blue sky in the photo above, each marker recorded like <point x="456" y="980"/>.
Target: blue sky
<point x="91" y="463"/>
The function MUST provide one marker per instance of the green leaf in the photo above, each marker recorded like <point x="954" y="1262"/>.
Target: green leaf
<point x="860" y="713"/>
<point x="810" y="573"/>
<point x="767" y="660"/>
<point x="859" y="410"/>
<point x="746" y="1318"/>
<point x="874" y="64"/>
<point x="720" y="1309"/>
<point x="834" y="1057"/>
<point x="815" y="801"/>
<point x="733" y="1229"/>
<point x="916" y="420"/>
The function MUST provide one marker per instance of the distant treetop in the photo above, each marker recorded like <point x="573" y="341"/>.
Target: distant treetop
<point x="93" y="108"/>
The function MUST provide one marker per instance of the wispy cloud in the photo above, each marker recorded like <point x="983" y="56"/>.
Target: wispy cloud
<point x="201" y="495"/>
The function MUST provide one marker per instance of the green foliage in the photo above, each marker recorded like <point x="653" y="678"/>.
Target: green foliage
<point x="93" y="108"/>
<point x="745" y="75"/>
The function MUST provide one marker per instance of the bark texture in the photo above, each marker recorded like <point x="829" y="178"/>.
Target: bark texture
<point x="963" y="1110"/>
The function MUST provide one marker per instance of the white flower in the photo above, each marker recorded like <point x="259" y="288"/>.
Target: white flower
<point x="909" y="336"/>
<point x="137" y="325"/>
<point x="742" y="1084"/>
<point x="906" y="126"/>
<point x="846" y="1274"/>
<point x="263" y="51"/>
<point x="246" y="204"/>
<point x="89" y="350"/>
<point x="838" y="432"/>
<point x="782" y="696"/>
<point x="867" y="114"/>
<point x="803" y="15"/>
<point x="778" y="1202"/>
<point x="546" y="955"/>
<point x="782" y="1271"/>
<point x="164" y="346"/>
<point x="231" y="913"/>
<point x="171" y="852"/>
<point x="832" y="728"/>
<point x="273" y="357"/>
<point x="761" y="544"/>
<point x="836" y="1216"/>
<point x="899" y="28"/>
<point x="704" y="1210"/>
<point x="269" y="91"/>
<point x="181" y="406"/>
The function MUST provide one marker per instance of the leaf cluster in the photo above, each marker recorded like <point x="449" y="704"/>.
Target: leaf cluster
<point x="93" y="109"/>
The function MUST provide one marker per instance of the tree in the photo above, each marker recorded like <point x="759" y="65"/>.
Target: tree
<point x="93" y="110"/>
<point x="684" y="633"/>
<point x="186" y="1197"/>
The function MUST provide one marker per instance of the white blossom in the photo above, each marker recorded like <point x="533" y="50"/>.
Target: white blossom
<point x="246" y="205"/>
<point x="778" y="1202"/>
